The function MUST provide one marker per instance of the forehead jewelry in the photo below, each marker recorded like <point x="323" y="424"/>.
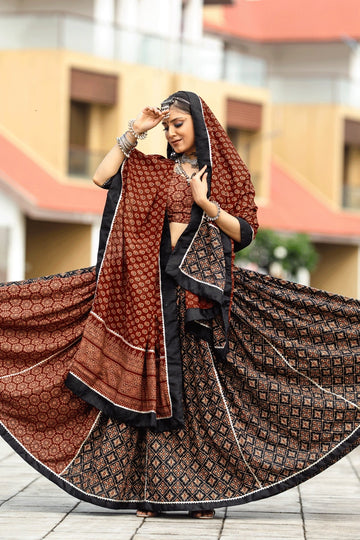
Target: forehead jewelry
<point x="166" y="109"/>
<point x="165" y="106"/>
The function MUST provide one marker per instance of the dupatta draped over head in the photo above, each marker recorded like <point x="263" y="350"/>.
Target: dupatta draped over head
<point x="128" y="363"/>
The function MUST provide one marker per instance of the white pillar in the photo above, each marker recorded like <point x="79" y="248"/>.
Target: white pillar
<point x="13" y="220"/>
<point x="156" y="17"/>
<point x="193" y="21"/>
<point x="104" y="39"/>
<point x="17" y="249"/>
<point x="354" y="71"/>
<point x="127" y="37"/>
<point x="160" y="24"/>
<point x="126" y="14"/>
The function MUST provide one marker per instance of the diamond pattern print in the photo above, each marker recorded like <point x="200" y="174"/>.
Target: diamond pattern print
<point x="260" y="422"/>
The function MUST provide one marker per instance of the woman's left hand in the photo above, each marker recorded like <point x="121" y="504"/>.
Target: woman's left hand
<point x="199" y="187"/>
<point x="226" y="222"/>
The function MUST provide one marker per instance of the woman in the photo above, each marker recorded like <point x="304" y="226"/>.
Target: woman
<point x="198" y="385"/>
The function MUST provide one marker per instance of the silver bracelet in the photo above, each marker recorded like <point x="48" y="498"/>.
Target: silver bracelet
<point x="125" y="145"/>
<point x="132" y="130"/>
<point x="208" y="218"/>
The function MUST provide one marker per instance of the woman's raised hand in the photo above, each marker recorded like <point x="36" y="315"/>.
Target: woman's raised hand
<point x="148" y="118"/>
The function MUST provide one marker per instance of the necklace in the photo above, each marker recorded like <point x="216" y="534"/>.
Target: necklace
<point x="187" y="159"/>
<point x="180" y="170"/>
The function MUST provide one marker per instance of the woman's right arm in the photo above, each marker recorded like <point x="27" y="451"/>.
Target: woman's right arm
<point x="146" y="120"/>
<point x="110" y="164"/>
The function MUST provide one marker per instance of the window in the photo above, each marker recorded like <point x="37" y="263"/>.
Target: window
<point x="93" y="100"/>
<point x="78" y="145"/>
<point x="244" y="120"/>
<point x="351" y="167"/>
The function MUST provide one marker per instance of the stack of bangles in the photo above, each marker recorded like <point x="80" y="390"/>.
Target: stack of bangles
<point x="214" y="218"/>
<point x="127" y="146"/>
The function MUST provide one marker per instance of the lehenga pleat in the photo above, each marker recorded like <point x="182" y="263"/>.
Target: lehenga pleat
<point x="283" y="406"/>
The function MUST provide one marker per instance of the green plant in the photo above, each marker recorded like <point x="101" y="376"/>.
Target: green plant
<point x="300" y="254"/>
<point x="292" y="251"/>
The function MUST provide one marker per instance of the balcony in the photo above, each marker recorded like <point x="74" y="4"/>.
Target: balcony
<point x="351" y="197"/>
<point x="310" y="88"/>
<point x="206" y="59"/>
<point x="82" y="162"/>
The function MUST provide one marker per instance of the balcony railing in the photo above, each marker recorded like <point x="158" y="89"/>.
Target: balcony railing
<point x="206" y="59"/>
<point x="311" y="88"/>
<point x="351" y="197"/>
<point x="83" y="162"/>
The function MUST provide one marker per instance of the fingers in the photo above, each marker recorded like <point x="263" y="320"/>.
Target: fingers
<point x="155" y="111"/>
<point x="149" y="117"/>
<point x="201" y="174"/>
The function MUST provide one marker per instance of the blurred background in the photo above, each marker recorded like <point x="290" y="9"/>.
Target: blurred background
<point x="283" y="77"/>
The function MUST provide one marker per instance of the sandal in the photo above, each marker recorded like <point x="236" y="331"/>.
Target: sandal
<point x="146" y="514"/>
<point x="202" y="514"/>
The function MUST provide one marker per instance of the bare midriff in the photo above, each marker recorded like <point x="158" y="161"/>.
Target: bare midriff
<point x="176" y="230"/>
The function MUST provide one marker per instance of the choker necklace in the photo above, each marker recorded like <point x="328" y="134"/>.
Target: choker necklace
<point x="187" y="159"/>
<point x="180" y="170"/>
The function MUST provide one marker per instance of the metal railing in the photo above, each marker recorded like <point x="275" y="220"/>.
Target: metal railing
<point x="351" y="197"/>
<point x="311" y="88"/>
<point x="208" y="58"/>
<point x="83" y="162"/>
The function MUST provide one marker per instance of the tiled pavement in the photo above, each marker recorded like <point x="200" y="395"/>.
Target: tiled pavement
<point x="324" y="508"/>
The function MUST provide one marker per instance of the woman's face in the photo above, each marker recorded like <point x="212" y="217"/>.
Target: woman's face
<point x="179" y="131"/>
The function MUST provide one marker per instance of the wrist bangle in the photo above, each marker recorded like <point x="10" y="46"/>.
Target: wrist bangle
<point x="208" y="218"/>
<point x="132" y="130"/>
<point x="125" y="145"/>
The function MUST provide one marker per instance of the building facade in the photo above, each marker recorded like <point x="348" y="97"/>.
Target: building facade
<point x="312" y="55"/>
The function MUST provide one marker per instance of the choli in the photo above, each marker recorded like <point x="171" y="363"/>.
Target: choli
<point x="179" y="200"/>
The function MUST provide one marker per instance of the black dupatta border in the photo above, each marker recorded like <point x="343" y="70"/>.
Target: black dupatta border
<point x="173" y="268"/>
<point x="171" y="333"/>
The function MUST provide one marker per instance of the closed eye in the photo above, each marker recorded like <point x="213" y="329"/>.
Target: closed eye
<point x="177" y="125"/>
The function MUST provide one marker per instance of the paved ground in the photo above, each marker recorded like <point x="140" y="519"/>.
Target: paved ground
<point x="324" y="508"/>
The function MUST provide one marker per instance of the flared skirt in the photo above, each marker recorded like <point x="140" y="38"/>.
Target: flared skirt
<point x="283" y="406"/>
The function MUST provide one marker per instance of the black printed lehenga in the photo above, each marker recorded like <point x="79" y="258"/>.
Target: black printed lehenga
<point x="264" y="388"/>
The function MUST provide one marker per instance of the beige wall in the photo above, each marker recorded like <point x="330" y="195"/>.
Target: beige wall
<point x="52" y="247"/>
<point x="337" y="269"/>
<point x="37" y="101"/>
<point x="34" y="96"/>
<point x="309" y="138"/>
